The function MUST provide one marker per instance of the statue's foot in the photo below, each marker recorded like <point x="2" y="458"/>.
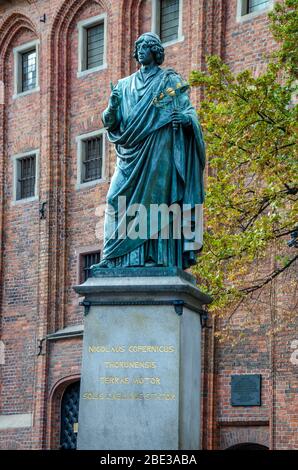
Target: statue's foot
<point x="104" y="264"/>
<point x="150" y="264"/>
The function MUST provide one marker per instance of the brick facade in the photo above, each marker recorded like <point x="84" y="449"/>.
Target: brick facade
<point x="39" y="257"/>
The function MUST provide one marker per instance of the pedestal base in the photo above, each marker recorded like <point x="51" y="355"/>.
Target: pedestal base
<point x="140" y="386"/>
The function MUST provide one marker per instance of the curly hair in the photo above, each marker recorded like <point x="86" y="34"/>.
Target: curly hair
<point x="155" y="45"/>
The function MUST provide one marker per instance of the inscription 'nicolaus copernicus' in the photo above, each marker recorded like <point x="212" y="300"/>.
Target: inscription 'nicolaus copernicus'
<point x="132" y="349"/>
<point x="130" y="366"/>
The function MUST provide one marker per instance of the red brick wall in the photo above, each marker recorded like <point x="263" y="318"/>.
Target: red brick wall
<point x="19" y="275"/>
<point x="247" y="43"/>
<point x="39" y="257"/>
<point x="87" y="99"/>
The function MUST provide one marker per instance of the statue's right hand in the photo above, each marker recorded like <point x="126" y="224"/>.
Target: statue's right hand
<point x="114" y="101"/>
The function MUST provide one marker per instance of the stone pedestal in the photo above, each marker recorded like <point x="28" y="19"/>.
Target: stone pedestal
<point x="140" y="385"/>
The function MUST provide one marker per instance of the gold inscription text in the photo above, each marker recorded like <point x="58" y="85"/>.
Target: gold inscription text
<point x="128" y="396"/>
<point x="130" y="365"/>
<point x="125" y="380"/>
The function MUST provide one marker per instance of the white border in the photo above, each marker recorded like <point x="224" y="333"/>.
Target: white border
<point x="155" y="26"/>
<point x="17" y="52"/>
<point x="242" y="8"/>
<point x="82" y="25"/>
<point x="15" y="158"/>
<point x="80" y="139"/>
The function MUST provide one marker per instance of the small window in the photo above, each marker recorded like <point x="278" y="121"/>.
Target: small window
<point x="26" y="68"/>
<point x="92" y="44"/>
<point x="256" y="5"/>
<point x="95" y="46"/>
<point x="87" y="260"/>
<point x="252" y="8"/>
<point x="29" y="70"/>
<point x="25" y="176"/>
<point x="169" y="20"/>
<point x="90" y="158"/>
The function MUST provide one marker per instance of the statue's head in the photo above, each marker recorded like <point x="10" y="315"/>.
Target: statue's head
<point x="148" y="49"/>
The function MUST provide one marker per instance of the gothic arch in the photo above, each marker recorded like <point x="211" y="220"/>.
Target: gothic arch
<point x="234" y="437"/>
<point x="60" y="30"/>
<point x="69" y="10"/>
<point x="10" y="26"/>
<point x="59" y="144"/>
<point x="54" y="409"/>
<point x="130" y="14"/>
<point x="128" y="9"/>
<point x="248" y="446"/>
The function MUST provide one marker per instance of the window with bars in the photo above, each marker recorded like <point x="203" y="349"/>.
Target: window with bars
<point x="87" y="260"/>
<point x="28" y="80"/>
<point x="26" y="176"/>
<point x="95" y="46"/>
<point x="92" y="44"/>
<point x="92" y="159"/>
<point x="26" y="76"/>
<point x="247" y="7"/>
<point x="169" y="20"/>
<point x="256" y="5"/>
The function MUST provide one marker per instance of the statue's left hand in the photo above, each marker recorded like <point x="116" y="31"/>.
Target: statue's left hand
<point x="179" y="118"/>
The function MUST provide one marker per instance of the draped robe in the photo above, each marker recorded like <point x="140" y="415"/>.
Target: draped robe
<point x="156" y="164"/>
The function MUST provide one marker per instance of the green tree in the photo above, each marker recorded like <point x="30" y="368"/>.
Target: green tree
<point x="250" y="128"/>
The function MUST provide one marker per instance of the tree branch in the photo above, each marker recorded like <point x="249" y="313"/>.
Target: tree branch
<point x="270" y="278"/>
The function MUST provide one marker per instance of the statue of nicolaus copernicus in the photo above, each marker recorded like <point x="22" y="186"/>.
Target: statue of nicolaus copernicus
<point x="160" y="160"/>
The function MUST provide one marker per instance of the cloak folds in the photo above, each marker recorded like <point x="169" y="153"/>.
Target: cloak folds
<point x="156" y="164"/>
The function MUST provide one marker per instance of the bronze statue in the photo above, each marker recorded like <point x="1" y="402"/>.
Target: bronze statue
<point x="160" y="161"/>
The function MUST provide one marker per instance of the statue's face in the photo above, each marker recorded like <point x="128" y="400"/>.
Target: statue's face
<point x="145" y="56"/>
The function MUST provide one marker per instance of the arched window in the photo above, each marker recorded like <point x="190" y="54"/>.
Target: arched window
<point x="248" y="446"/>
<point x="69" y="416"/>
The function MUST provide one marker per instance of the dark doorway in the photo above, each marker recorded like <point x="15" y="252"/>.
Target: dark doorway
<point x="248" y="446"/>
<point x="69" y="417"/>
